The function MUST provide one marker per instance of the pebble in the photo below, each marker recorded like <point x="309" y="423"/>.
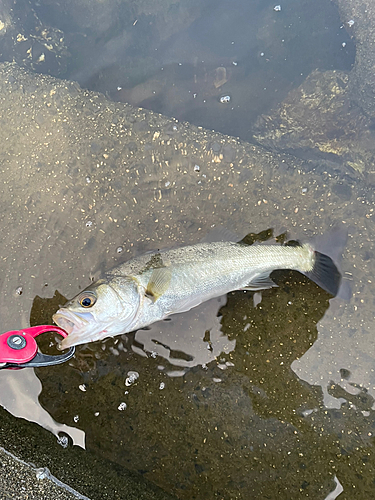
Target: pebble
<point x="224" y="99"/>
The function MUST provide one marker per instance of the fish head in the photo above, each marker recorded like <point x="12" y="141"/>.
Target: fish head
<point x="104" y="309"/>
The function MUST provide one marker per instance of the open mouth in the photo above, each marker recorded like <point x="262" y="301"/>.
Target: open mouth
<point x="75" y="325"/>
<point x="68" y="321"/>
<point x="63" y="323"/>
<point x="80" y="327"/>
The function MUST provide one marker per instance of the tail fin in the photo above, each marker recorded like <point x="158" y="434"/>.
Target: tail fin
<point x="325" y="274"/>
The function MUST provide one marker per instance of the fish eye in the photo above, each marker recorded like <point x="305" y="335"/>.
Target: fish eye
<point x="87" y="299"/>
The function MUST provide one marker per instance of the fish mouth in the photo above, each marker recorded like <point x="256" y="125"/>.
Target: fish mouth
<point x="63" y="323"/>
<point x="78" y="326"/>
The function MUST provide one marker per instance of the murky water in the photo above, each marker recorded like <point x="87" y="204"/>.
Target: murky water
<point x="247" y="396"/>
<point x="231" y="61"/>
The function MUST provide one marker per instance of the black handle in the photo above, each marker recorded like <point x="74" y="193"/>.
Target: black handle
<point x="41" y="359"/>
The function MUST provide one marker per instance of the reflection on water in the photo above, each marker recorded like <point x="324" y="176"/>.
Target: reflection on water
<point x="21" y="399"/>
<point x="178" y="342"/>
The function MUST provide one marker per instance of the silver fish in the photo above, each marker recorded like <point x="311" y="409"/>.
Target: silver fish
<point x="153" y="286"/>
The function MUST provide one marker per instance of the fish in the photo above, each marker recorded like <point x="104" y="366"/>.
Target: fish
<point x="153" y="286"/>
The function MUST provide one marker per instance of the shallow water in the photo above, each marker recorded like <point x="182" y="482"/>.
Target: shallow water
<point x="245" y="396"/>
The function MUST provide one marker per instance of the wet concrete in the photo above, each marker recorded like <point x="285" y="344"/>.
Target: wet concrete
<point x="35" y="466"/>
<point x="22" y="481"/>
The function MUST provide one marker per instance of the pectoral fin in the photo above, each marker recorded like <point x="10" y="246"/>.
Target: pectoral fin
<point x="159" y="283"/>
<point x="260" y="282"/>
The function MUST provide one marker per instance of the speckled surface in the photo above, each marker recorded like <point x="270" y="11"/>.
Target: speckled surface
<point x="21" y="481"/>
<point x="34" y="466"/>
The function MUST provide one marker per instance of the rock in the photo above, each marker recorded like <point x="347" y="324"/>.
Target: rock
<point x="318" y="120"/>
<point x="30" y="42"/>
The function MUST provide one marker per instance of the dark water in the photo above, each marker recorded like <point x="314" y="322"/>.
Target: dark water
<point x="241" y="49"/>
<point x="247" y="396"/>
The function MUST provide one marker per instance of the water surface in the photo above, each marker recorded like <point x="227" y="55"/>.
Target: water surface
<point x="249" y="395"/>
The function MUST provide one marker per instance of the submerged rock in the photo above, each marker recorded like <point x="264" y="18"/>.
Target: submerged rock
<point x="29" y="41"/>
<point x="319" y="120"/>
